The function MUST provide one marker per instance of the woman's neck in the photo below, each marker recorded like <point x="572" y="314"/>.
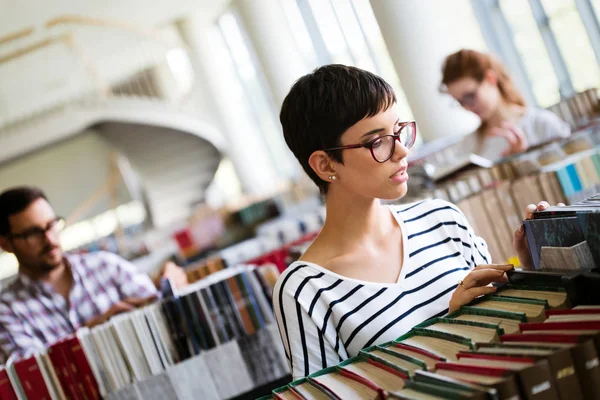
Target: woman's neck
<point x="356" y="219"/>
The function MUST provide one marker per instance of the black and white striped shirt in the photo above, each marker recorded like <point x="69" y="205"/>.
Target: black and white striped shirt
<point x="325" y="318"/>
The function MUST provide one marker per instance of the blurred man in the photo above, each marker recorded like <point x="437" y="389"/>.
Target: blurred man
<point x="57" y="293"/>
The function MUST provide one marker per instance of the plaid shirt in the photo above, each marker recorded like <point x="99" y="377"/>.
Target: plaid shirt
<point x="32" y="315"/>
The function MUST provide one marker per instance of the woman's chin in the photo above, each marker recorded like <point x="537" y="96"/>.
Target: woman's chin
<point x="397" y="193"/>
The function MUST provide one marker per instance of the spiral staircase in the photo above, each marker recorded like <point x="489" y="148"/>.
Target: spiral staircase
<point x="130" y="84"/>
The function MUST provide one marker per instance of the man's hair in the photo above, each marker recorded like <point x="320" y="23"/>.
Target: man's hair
<point x="15" y="200"/>
<point x="322" y="105"/>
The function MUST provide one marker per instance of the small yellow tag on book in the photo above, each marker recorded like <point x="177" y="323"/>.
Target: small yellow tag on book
<point x="514" y="261"/>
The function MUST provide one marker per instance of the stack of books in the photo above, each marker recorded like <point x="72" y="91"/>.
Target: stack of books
<point x="523" y="342"/>
<point x="217" y="339"/>
<point x="565" y="237"/>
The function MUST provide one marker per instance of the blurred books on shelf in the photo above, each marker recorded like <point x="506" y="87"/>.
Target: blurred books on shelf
<point x="215" y="339"/>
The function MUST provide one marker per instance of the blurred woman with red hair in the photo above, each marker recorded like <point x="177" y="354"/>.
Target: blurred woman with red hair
<point x="480" y="84"/>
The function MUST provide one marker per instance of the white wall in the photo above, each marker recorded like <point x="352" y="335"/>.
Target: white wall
<point x="68" y="172"/>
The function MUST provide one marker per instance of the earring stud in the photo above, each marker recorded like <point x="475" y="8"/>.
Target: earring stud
<point x="332" y="177"/>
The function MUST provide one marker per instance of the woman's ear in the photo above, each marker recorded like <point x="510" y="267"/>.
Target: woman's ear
<point x="323" y="166"/>
<point x="491" y="77"/>
<point x="5" y="244"/>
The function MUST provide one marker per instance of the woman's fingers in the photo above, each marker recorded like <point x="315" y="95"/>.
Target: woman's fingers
<point x="542" y="205"/>
<point x="484" y="277"/>
<point x="475" y="292"/>
<point x="531" y="208"/>
<point x="502" y="267"/>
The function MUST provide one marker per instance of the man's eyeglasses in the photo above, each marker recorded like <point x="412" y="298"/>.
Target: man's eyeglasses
<point x="382" y="147"/>
<point x="38" y="235"/>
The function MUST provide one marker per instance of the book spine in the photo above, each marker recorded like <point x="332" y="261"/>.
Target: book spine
<point x="215" y="315"/>
<point x="61" y="366"/>
<point x="84" y="371"/>
<point x="7" y="392"/>
<point x="563" y="371"/>
<point x="587" y="366"/>
<point x="253" y="311"/>
<point x="241" y="306"/>
<point x="574" y="177"/>
<point x="192" y="311"/>
<point x="537" y="382"/>
<point x="207" y="318"/>
<point x="231" y="323"/>
<point x="253" y="298"/>
<point x="32" y="380"/>
<point x="171" y="313"/>
<point x="185" y="324"/>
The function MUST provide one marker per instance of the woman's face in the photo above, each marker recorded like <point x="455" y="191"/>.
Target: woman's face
<point x="360" y="173"/>
<point x="481" y="98"/>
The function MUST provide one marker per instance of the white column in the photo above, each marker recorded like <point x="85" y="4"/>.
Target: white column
<point x="271" y="37"/>
<point x="246" y="148"/>
<point x="418" y="35"/>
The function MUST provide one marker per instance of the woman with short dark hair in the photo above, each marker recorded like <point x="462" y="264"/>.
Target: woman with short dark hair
<point x="374" y="271"/>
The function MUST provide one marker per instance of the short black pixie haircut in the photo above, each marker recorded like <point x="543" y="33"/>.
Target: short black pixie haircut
<point x="15" y="200"/>
<point x="322" y="105"/>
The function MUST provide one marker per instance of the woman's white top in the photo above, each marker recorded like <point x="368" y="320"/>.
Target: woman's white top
<point x="539" y="126"/>
<point x="325" y="318"/>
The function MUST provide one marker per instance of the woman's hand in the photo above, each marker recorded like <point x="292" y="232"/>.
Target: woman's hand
<point x="520" y="239"/>
<point x="477" y="284"/>
<point x="517" y="141"/>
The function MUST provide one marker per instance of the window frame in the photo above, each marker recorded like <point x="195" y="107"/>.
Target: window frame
<point x="499" y="37"/>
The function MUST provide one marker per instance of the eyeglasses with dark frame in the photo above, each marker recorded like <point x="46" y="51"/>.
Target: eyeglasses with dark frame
<point x="469" y="99"/>
<point x="37" y="235"/>
<point x="382" y="147"/>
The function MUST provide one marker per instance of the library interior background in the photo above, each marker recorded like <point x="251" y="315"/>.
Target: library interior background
<point x="141" y="147"/>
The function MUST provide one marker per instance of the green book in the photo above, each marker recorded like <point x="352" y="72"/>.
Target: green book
<point x="508" y="321"/>
<point x="307" y="389"/>
<point x="451" y="383"/>
<point x="389" y="359"/>
<point x="535" y="310"/>
<point x="462" y="327"/>
<point x="555" y="296"/>
<point x="379" y="373"/>
<point x="413" y="389"/>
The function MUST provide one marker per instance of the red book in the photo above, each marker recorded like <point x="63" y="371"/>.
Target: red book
<point x="573" y="311"/>
<point x="31" y="379"/>
<point x="541" y="338"/>
<point x="561" y="325"/>
<point x="418" y="350"/>
<point x="481" y="356"/>
<point x="388" y="369"/>
<point x="62" y="365"/>
<point x="363" y="381"/>
<point x="84" y="371"/>
<point x="474" y="369"/>
<point x="6" y="390"/>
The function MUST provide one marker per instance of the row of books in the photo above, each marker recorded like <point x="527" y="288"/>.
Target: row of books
<point x="578" y="109"/>
<point x="481" y="196"/>
<point x="523" y="342"/>
<point x="224" y="322"/>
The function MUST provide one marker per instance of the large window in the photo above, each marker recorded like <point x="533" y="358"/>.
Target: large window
<point x="530" y="45"/>
<point x="574" y="44"/>
<point x="345" y="32"/>
<point x="249" y="93"/>
<point x="554" y="40"/>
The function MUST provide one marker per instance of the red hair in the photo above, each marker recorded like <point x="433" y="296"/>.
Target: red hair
<point x="473" y="64"/>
